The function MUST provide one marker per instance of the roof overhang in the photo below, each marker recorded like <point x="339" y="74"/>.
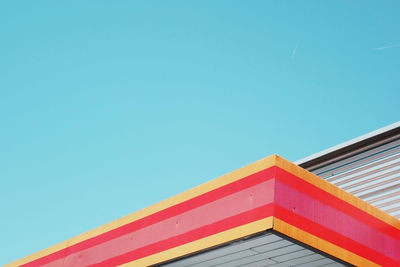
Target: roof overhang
<point x="269" y="195"/>
<point x="268" y="248"/>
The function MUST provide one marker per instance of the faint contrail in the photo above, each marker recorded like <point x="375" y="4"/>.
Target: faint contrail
<point x="295" y="48"/>
<point x="386" y="47"/>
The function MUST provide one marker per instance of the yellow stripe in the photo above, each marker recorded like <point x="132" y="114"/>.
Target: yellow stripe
<point x="204" y="243"/>
<point x="336" y="191"/>
<point x="216" y="183"/>
<point x="321" y="244"/>
<point x="199" y="190"/>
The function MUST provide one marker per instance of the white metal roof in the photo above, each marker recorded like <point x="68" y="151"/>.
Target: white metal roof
<point x="349" y="143"/>
<point x="367" y="166"/>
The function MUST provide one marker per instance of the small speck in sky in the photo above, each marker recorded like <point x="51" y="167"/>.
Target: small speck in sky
<point x="295" y="49"/>
<point x="107" y="107"/>
<point x="387" y="47"/>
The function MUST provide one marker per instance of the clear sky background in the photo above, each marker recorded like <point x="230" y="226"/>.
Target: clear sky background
<point x="107" y="107"/>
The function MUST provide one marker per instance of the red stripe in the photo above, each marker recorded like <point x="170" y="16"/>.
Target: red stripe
<point x="180" y="208"/>
<point x="208" y="230"/>
<point x="332" y="237"/>
<point x="335" y="220"/>
<point x="236" y="203"/>
<point x="331" y="200"/>
<point x="209" y="197"/>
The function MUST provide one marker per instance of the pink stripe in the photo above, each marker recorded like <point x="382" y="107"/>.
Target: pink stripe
<point x="315" y="210"/>
<point x="335" y="202"/>
<point x="164" y="214"/>
<point x="207" y="230"/>
<point x="242" y="201"/>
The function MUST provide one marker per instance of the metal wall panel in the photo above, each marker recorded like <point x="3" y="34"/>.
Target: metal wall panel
<point x="266" y="250"/>
<point x="371" y="173"/>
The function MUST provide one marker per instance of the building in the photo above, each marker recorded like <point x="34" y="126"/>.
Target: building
<point x="339" y="207"/>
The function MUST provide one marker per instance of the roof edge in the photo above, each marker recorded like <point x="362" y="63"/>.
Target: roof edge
<point x="351" y="145"/>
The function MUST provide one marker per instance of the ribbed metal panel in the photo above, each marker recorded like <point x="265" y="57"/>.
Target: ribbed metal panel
<point x="372" y="174"/>
<point x="367" y="167"/>
<point x="266" y="250"/>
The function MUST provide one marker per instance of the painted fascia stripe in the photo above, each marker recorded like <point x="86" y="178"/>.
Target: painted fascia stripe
<point x="334" y="237"/>
<point x="331" y="201"/>
<point x="132" y="233"/>
<point x="320" y="244"/>
<point x="205" y="243"/>
<point x="337" y="192"/>
<point x="378" y="217"/>
<point x="245" y="204"/>
<point x="356" y="240"/>
<point x="163" y="205"/>
<point x="183" y="240"/>
<point x="378" y="225"/>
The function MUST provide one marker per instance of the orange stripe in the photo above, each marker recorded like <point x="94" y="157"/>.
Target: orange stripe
<point x="221" y="181"/>
<point x="321" y="244"/>
<point x="336" y="191"/>
<point x="204" y="243"/>
<point x="332" y="201"/>
<point x="199" y="190"/>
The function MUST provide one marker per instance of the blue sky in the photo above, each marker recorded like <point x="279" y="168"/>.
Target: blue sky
<point x="107" y="107"/>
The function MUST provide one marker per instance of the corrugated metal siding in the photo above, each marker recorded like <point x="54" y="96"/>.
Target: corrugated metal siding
<point x="267" y="250"/>
<point x="372" y="175"/>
